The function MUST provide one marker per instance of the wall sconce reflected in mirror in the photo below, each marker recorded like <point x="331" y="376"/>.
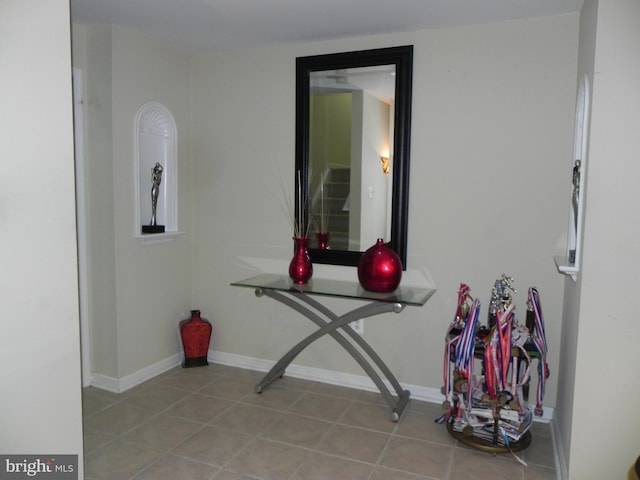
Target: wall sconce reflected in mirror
<point x="385" y="165"/>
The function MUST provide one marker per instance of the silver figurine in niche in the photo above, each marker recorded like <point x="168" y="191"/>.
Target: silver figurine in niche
<point x="575" y="196"/>
<point x="575" y="203"/>
<point x="156" y="179"/>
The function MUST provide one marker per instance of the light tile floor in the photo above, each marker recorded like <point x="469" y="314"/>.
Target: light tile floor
<point x="207" y="423"/>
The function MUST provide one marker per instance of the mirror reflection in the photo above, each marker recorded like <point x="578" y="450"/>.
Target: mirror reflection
<point x="353" y="114"/>
<point x="350" y="140"/>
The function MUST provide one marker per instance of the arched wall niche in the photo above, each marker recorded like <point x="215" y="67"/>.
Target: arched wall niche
<point x="569" y="264"/>
<point x="156" y="143"/>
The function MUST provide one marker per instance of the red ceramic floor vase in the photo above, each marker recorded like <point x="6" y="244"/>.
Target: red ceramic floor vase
<point x="196" y="335"/>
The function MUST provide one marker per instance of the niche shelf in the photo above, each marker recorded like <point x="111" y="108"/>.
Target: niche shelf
<point x="156" y="143"/>
<point x="569" y="264"/>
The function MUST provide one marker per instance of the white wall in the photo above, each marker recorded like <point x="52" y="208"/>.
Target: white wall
<point x="604" y="428"/>
<point x="138" y="293"/>
<point x="92" y="53"/>
<point x="571" y="310"/>
<point x="375" y="184"/>
<point x="153" y="282"/>
<point x="40" y="410"/>
<point x="492" y="134"/>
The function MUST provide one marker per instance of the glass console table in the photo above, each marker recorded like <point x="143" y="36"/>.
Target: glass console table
<point x="304" y="299"/>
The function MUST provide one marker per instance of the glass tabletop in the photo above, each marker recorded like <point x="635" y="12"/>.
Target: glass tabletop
<point x="338" y="288"/>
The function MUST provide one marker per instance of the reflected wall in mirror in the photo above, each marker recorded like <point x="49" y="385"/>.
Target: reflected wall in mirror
<point x="353" y="116"/>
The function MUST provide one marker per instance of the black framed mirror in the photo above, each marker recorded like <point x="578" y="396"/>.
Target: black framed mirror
<point x="353" y="133"/>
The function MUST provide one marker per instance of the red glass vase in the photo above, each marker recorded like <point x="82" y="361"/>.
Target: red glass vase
<point x="300" y="268"/>
<point x="380" y="269"/>
<point x="196" y="335"/>
<point x="323" y="240"/>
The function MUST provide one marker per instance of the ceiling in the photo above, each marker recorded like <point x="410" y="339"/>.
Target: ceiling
<point x="207" y="26"/>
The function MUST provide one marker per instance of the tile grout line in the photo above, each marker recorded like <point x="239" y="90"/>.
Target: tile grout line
<point x="342" y="420"/>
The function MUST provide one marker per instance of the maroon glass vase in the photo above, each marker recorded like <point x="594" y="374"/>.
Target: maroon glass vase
<point x="300" y="268"/>
<point x="196" y="335"/>
<point x="380" y="269"/>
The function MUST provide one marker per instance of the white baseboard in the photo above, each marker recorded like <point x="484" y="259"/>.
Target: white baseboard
<point x="119" y="385"/>
<point x="558" y="449"/>
<point x="360" y="382"/>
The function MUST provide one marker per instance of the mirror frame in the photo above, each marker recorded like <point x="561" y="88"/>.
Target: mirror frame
<point x="402" y="58"/>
